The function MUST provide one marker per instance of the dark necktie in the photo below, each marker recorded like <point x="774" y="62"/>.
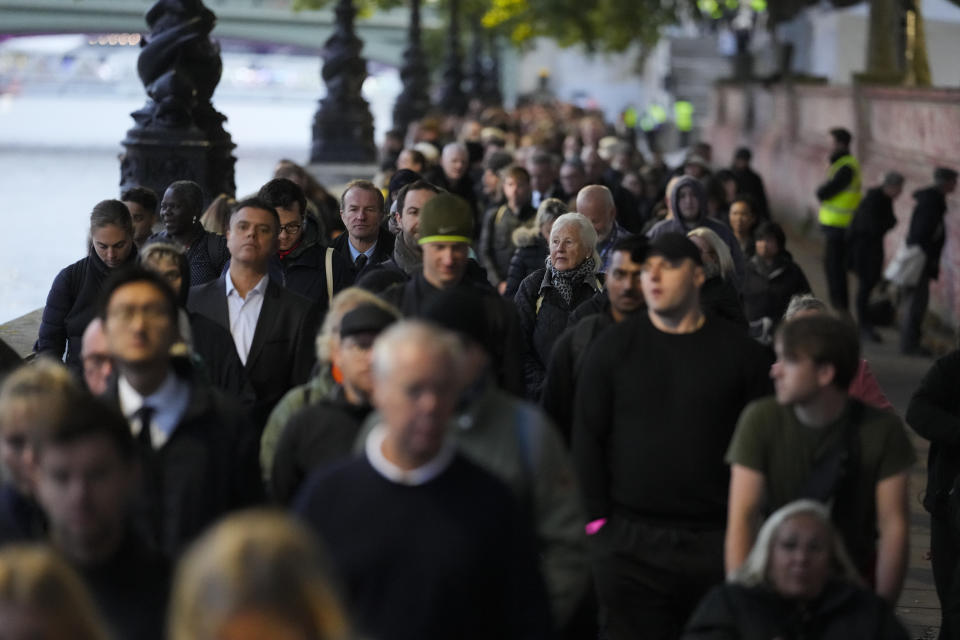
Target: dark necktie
<point x="360" y="262"/>
<point x="144" y="415"/>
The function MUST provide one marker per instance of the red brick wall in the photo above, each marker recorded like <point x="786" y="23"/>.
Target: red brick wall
<point x="902" y="129"/>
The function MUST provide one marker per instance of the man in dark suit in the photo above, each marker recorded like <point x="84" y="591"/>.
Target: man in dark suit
<point x="367" y="242"/>
<point x="273" y="328"/>
<point x="198" y="449"/>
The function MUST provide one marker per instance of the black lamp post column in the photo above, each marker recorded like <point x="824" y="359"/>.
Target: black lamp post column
<point x="451" y="99"/>
<point x="478" y="69"/>
<point x="413" y="101"/>
<point x="178" y="135"/>
<point x="492" y="85"/>
<point x="343" y="126"/>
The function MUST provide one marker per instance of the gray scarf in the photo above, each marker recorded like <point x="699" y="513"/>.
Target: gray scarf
<point x="565" y="281"/>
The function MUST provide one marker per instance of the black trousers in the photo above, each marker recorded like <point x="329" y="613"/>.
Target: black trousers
<point x="914" y="309"/>
<point x="650" y="578"/>
<point x="835" y="266"/>
<point x="868" y="264"/>
<point x="945" y="561"/>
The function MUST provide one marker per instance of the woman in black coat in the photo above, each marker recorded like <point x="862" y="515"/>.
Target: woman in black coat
<point x="772" y="277"/>
<point x="796" y="583"/>
<point x="548" y="295"/>
<point x="72" y="301"/>
<point x="531" y="244"/>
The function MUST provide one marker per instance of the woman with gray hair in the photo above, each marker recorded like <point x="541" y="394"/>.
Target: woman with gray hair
<point x="797" y="582"/>
<point x="531" y="243"/>
<point x="718" y="295"/>
<point x="547" y="296"/>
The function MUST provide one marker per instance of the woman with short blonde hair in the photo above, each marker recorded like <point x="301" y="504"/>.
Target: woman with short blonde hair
<point x="42" y="598"/>
<point x="256" y="575"/>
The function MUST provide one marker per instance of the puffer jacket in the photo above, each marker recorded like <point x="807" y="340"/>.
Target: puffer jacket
<point x="541" y="327"/>
<point x="71" y="305"/>
<point x="842" y="611"/>
<point x="529" y="256"/>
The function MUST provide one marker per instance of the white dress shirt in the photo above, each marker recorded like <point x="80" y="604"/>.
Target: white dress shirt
<point x="413" y="477"/>
<point x="244" y="314"/>
<point x="169" y="403"/>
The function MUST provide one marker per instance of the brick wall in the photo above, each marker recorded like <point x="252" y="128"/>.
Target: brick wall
<point x="902" y="129"/>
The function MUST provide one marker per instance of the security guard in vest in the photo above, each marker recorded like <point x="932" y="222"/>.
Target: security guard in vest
<point x="839" y="197"/>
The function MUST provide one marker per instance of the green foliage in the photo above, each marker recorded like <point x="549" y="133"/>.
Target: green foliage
<point x="598" y="25"/>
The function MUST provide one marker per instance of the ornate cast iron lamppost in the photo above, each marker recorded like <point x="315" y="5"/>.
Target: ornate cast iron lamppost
<point x="451" y="98"/>
<point x="178" y="134"/>
<point x="413" y="101"/>
<point x="343" y="126"/>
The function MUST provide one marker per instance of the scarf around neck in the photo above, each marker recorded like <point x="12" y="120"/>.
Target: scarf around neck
<point x="565" y="281"/>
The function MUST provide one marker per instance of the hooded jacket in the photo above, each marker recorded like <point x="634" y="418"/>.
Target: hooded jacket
<point x="677" y="224"/>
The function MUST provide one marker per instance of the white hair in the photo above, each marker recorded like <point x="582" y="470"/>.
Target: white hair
<point x="755" y="568"/>
<point x="450" y="147"/>
<point x="727" y="268"/>
<point x="417" y="333"/>
<point x="588" y="235"/>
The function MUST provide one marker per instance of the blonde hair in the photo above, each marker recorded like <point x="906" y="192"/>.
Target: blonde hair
<point x="34" y="576"/>
<point x="38" y="391"/>
<point x="343" y="303"/>
<point x="754" y="569"/>
<point x="255" y="562"/>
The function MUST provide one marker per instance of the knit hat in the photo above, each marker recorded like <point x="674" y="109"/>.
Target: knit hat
<point x="367" y="318"/>
<point x="675" y="247"/>
<point x="446" y="218"/>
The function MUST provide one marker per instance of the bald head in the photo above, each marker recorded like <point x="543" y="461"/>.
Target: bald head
<point x="97" y="364"/>
<point x="596" y="203"/>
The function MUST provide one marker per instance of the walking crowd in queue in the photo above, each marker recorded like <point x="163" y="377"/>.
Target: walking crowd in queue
<point x="525" y="383"/>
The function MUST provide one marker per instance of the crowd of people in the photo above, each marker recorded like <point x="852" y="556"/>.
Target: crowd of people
<point x="526" y="383"/>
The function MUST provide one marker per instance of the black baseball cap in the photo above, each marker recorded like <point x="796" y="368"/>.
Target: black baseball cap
<point x="367" y="318"/>
<point x="674" y="247"/>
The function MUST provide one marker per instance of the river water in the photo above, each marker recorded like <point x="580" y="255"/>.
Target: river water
<point x="58" y="157"/>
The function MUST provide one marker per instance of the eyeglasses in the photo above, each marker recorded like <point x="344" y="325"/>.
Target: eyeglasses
<point x="291" y="228"/>
<point x="151" y="313"/>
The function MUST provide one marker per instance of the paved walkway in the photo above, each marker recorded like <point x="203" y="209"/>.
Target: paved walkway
<point x="899" y="376"/>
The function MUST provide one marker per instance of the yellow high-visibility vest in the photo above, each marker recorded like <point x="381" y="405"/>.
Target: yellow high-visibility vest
<point x="683" y="115"/>
<point x="838" y="210"/>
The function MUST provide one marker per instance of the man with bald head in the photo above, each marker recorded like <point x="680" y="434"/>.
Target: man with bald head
<point x="596" y="203"/>
<point x="97" y="363"/>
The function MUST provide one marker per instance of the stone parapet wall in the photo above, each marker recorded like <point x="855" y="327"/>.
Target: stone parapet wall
<point x="894" y="128"/>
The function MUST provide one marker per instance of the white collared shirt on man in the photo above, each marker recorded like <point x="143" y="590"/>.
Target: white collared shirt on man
<point x="244" y="314"/>
<point x="169" y="403"/>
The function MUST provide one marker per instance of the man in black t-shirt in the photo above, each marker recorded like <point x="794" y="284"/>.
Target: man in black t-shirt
<point x="656" y="405"/>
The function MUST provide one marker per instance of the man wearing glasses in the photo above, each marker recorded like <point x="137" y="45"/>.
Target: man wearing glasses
<point x="198" y="450"/>
<point x="303" y="264"/>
